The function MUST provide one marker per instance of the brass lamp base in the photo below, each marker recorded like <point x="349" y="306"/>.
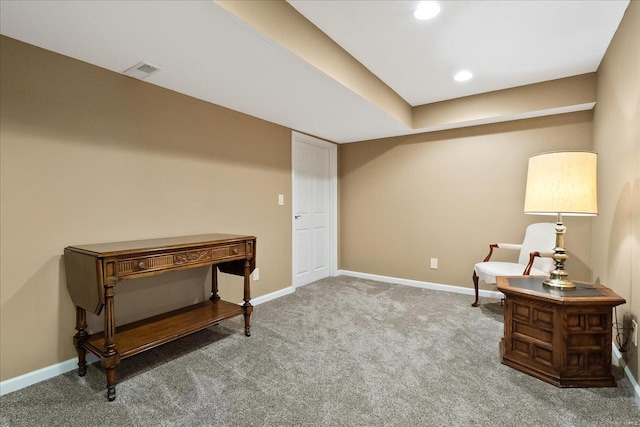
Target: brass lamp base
<point x="559" y="283"/>
<point x="559" y="278"/>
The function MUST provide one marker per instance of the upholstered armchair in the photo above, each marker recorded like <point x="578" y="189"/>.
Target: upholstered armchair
<point x="534" y="259"/>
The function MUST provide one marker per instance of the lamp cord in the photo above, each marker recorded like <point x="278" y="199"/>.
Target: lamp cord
<point x="622" y="334"/>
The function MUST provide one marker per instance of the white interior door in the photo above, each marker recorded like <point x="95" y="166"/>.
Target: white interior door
<point x="314" y="209"/>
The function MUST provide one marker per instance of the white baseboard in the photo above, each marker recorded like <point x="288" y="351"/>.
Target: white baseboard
<point x="273" y="295"/>
<point x="619" y="361"/>
<point x="34" y="377"/>
<point x="14" y="384"/>
<point x="419" y="284"/>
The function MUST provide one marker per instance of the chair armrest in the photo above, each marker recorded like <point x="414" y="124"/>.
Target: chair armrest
<point x="501" y="246"/>
<point x="516" y="246"/>
<point x="532" y="257"/>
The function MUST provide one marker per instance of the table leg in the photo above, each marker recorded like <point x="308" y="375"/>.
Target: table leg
<point x="247" y="307"/>
<point x="111" y="383"/>
<point x="214" y="284"/>
<point x="111" y="355"/>
<point x="79" y="338"/>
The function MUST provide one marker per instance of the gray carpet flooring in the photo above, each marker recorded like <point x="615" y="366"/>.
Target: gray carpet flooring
<point x="338" y="352"/>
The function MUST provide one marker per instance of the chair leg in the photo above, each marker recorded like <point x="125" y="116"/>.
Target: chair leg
<point x="475" y="286"/>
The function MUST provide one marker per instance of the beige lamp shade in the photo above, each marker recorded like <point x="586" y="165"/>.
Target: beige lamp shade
<point x="562" y="182"/>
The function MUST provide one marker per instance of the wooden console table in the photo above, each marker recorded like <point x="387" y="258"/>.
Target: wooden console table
<point x="94" y="270"/>
<point x="561" y="337"/>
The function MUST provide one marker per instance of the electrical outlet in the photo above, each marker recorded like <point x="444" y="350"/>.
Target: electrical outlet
<point x="280" y="199"/>
<point x="256" y="274"/>
<point x="434" y="263"/>
<point x="634" y="332"/>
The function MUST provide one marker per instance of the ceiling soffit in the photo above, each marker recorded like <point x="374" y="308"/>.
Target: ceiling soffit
<point x="282" y="24"/>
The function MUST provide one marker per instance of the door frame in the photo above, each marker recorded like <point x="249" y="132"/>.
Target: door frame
<point x="296" y="138"/>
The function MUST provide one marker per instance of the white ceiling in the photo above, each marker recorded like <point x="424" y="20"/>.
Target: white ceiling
<point x="207" y="53"/>
<point x="504" y="43"/>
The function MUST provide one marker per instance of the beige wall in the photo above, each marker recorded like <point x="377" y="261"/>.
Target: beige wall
<point x="448" y="195"/>
<point x="616" y="232"/>
<point x="90" y="156"/>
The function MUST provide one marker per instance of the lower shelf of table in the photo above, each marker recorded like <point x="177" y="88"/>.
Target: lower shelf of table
<point x="145" y="334"/>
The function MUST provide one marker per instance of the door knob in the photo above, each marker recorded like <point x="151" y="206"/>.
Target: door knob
<point x="297" y="216"/>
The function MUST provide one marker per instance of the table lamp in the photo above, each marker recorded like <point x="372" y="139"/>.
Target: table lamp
<point x="561" y="183"/>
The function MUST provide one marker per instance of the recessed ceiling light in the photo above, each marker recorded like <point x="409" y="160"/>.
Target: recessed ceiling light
<point x="463" y="76"/>
<point x="426" y="10"/>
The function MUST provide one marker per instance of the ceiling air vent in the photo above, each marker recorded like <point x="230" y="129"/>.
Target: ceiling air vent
<point x="141" y="70"/>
